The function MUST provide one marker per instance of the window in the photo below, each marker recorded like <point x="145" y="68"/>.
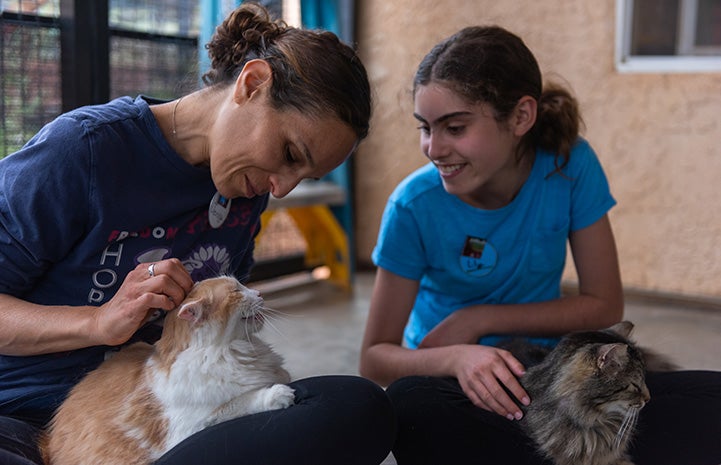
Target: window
<point x="668" y="35"/>
<point x="153" y="47"/>
<point x="147" y="46"/>
<point x="29" y="69"/>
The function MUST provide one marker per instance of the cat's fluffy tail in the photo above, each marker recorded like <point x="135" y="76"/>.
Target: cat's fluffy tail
<point x="658" y="362"/>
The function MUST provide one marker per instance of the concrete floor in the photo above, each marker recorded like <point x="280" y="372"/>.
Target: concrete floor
<point x="320" y="329"/>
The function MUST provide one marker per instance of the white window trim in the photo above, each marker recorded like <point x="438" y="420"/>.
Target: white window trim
<point x="626" y="63"/>
<point x="291" y="13"/>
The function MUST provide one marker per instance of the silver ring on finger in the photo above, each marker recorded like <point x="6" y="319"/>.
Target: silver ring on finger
<point x="151" y="270"/>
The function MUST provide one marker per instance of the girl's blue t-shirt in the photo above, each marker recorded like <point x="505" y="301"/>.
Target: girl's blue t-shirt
<point x="464" y="256"/>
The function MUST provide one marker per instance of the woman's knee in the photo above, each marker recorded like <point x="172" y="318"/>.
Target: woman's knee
<point x="351" y="396"/>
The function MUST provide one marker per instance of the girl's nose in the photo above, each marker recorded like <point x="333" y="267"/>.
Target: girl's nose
<point x="434" y="147"/>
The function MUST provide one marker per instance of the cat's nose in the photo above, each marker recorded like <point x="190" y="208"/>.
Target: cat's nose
<point x="646" y="395"/>
<point x="643" y="397"/>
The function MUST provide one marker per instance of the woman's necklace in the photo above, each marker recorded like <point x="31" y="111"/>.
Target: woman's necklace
<point x="175" y="109"/>
<point x="219" y="206"/>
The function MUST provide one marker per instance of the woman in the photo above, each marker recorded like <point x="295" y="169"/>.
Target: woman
<point x="111" y="212"/>
<point x="471" y="250"/>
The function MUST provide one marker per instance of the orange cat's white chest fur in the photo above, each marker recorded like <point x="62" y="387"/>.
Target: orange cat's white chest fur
<point x="208" y="367"/>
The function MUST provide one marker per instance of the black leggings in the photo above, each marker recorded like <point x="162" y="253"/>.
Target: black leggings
<point x="681" y="425"/>
<point x="336" y="420"/>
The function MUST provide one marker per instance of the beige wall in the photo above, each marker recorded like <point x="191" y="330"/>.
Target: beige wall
<point x="657" y="135"/>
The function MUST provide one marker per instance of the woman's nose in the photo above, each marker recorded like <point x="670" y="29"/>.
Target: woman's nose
<point x="282" y="185"/>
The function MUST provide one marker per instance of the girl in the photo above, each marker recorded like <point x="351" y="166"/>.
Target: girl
<point x="471" y="250"/>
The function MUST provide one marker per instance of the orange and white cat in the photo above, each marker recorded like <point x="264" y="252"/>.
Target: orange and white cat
<point x="209" y="366"/>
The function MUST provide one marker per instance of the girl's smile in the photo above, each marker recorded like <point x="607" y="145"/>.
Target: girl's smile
<point x="449" y="171"/>
<point x="473" y="152"/>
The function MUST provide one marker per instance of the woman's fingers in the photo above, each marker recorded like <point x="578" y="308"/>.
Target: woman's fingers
<point x="165" y="293"/>
<point x="169" y="279"/>
<point x="149" y="287"/>
<point x="171" y="268"/>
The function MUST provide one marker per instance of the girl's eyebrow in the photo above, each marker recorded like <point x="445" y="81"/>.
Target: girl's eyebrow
<point x="443" y="117"/>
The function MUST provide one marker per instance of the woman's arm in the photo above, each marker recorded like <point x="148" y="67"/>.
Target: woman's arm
<point x="31" y="329"/>
<point x="599" y="303"/>
<point x="478" y="369"/>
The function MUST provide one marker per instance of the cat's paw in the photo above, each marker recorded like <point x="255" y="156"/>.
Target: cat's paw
<point x="279" y="396"/>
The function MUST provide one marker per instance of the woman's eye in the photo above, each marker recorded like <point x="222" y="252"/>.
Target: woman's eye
<point x="455" y="130"/>
<point x="424" y="129"/>
<point x="289" y="155"/>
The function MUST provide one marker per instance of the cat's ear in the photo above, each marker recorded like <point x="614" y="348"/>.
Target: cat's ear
<point x="612" y="355"/>
<point x="623" y="328"/>
<point x="192" y="311"/>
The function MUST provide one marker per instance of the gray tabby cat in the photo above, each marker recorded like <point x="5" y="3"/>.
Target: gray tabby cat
<point x="586" y="395"/>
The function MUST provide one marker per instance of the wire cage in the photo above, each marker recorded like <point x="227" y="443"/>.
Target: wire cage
<point x="29" y="70"/>
<point x="153" y="47"/>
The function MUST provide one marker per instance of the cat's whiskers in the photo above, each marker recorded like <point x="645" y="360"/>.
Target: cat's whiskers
<point x="629" y="421"/>
<point x="248" y="336"/>
<point x="271" y="317"/>
<point x="282" y="314"/>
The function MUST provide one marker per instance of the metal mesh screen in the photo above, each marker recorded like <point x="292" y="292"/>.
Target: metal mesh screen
<point x="161" y="69"/>
<point x="280" y="238"/>
<point x="29" y="70"/>
<point x="153" y="47"/>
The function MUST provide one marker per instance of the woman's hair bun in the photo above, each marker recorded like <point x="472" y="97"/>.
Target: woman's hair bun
<point x="243" y="36"/>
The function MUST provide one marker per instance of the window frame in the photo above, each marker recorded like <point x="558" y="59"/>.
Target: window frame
<point x="627" y="63"/>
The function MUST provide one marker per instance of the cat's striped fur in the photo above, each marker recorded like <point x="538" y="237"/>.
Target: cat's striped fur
<point x="586" y="395"/>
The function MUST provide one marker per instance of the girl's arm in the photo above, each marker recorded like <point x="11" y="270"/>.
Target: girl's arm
<point x="480" y="370"/>
<point x="599" y="303"/>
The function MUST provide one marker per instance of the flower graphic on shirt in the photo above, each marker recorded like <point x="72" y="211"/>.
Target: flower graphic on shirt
<point x="207" y="261"/>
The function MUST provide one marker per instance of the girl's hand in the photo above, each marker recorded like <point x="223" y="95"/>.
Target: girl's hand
<point x="483" y="371"/>
<point x="140" y="295"/>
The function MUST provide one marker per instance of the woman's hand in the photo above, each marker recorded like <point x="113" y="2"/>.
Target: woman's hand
<point x="483" y="371"/>
<point x="140" y="294"/>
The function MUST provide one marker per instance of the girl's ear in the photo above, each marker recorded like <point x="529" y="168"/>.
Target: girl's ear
<point x="524" y="115"/>
<point x="192" y="311"/>
<point x="255" y="75"/>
